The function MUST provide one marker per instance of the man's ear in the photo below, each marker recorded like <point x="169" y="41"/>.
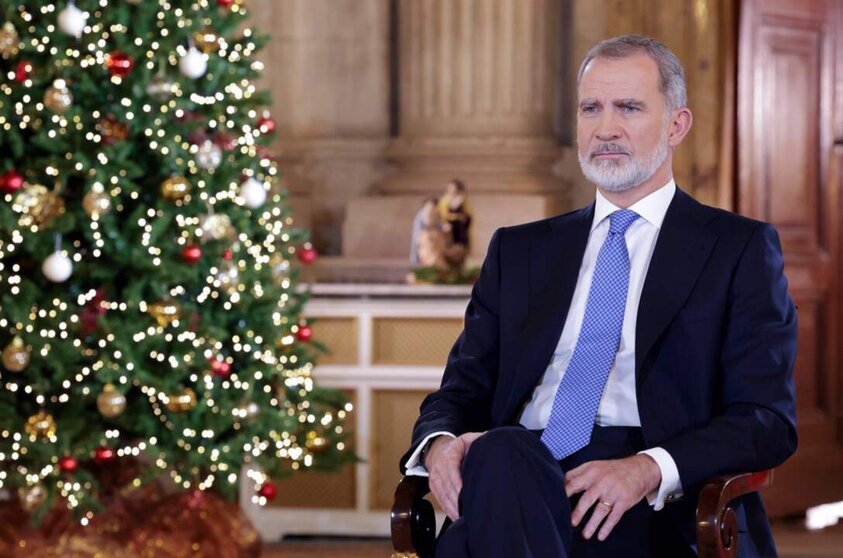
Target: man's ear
<point x="680" y="125"/>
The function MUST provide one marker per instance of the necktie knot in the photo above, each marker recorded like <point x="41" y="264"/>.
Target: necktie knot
<point x="621" y="220"/>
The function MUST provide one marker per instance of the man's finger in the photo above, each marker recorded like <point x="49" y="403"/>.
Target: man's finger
<point x="610" y="522"/>
<point x="573" y="486"/>
<point x="598" y="514"/>
<point x="587" y="500"/>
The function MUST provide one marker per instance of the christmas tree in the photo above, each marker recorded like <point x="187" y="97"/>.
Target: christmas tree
<point x="149" y="296"/>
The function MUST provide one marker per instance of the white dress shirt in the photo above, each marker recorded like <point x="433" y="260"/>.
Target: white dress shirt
<point x="618" y="405"/>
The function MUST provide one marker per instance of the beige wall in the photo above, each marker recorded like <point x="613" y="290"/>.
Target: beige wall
<point x="327" y="70"/>
<point x="327" y="66"/>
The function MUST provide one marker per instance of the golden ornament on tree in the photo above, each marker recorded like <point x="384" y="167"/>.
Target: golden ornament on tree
<point x="38" y="206"/>
<point x="215" y="227"/>
<point x="165" y="312"/>
<point x="207" y="40"/>
<point x="16" y="355"/>
<point x="96" y="202"/>
<point x="315" y="443"/>
<point x="58" y="97"/>
<point x="175" y="188"/>
<point x="183" y="401"/>
<point x="32" y="496"/>
<point x="9" y="40"/>
<point x="111" y="403"/>
<point x="41" y="425"/>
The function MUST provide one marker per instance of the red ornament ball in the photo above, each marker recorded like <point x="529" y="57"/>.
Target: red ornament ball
<point x="268" y="490"/>
<point x="304" y="333"/>
<point x="23" y="71"/>
<point x="227" y="255"/>
<point x="266" y="125"/>
<point x="225" y="141"/>
<point x="307" y="255"/>
<point x="103" y="454"/>
<point x="68" y="464"/>
<point x="220" y="368"/>
<point x="191" y="254"/>
<point x="12" y="181"/>
<point x="225" y="3"/>
<point x="119" y="64"/>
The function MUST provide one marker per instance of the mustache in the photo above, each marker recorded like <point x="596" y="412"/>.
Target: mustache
<point x="609" y="148"/>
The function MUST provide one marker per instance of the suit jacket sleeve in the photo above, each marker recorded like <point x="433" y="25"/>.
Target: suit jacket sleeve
<point x="463" y="402"/>
<point x="754" y="424"/>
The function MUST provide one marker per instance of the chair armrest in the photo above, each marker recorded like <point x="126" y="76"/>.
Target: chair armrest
<point x="412" y="520"/>
<point x="717" y="523"/>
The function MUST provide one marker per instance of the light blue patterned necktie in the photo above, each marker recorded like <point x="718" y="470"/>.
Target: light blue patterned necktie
<point x="578" y="397"/>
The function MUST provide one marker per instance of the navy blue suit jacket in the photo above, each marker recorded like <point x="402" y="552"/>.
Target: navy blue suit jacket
<point x="714" y="350"/>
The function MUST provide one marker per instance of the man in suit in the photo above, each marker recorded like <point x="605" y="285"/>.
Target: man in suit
<point x="615" y="357"/>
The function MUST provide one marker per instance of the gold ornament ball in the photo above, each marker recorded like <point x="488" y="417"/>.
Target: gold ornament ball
<point x="41" y="425"/>
<point x="9" y="40"/>
<point x="96" y="202"/>
<point x="58" y="97"/>
<point x="32" y="496"/>
<point x="183" y="401"/>
<point x="206" y="40"/>
<point x="38" y="206"/>
<point x="165" y="312"/>
<point x="16" y="355"/>
<point x="216" y="227"/>
<point x="175" y="188"/>
<point x="111" y="403"/>
<point x="315" y="443"/>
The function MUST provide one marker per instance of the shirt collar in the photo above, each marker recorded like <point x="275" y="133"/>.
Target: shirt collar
<point x="652" y="208"/>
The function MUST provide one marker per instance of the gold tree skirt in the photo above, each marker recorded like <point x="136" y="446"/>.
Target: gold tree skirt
<point x="142" y="523"/>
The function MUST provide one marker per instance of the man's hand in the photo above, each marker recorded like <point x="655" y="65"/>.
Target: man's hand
<point x="443" y="462"/>
<point x="611" y="487"/>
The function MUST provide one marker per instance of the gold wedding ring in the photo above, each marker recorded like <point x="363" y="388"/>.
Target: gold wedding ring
<point x="607" y="504"/>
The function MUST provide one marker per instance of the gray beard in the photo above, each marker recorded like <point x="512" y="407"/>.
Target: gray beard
<point x="619" y="177"/>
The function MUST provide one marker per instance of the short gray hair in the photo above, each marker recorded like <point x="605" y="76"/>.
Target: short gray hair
<point x="671" y="75"/>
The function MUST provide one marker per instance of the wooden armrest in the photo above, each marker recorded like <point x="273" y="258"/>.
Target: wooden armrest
<point x="717" y="523"/>
<point x="412" y="519"/>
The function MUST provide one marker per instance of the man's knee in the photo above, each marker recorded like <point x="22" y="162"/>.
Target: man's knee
<point x="497" y="445"/>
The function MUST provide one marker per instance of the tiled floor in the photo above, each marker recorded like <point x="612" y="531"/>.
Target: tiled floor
<point x="793" y="542"/>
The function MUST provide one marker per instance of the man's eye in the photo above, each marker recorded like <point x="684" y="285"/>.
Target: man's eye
<point x="588" y="109"/>
<point x="629" y="108"/>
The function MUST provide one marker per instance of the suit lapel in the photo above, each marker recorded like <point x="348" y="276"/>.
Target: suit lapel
<point x="682" y="249"/>
<point x="554" y="265"/>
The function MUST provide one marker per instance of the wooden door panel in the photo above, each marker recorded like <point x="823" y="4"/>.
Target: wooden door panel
<point x="787" y="103"/>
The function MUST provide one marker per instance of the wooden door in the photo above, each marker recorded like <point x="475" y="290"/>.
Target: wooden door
<point x="790" y="154"/>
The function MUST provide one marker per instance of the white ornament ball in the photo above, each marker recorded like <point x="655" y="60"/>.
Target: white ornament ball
<point x="209" y="155"/>
<point x="57" y="267"/>
<point x="253" y="193"/>
<point x="72" y="20"/>
<point x="194" y="64"/>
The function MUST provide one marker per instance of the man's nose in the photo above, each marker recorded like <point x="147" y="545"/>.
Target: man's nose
<point x="608" y="126"/>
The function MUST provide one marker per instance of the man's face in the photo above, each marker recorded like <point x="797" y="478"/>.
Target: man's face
<point x="622" y="122"/>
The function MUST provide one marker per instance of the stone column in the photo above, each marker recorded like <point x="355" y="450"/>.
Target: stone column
<point x="327" y="67"/>
<point x="478" y="89"/>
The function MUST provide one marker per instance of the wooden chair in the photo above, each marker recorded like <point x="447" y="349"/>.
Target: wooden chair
<point x="414" y="523"/>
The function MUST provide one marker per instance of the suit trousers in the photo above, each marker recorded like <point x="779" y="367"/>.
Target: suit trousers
<point x="513" y="503"/>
